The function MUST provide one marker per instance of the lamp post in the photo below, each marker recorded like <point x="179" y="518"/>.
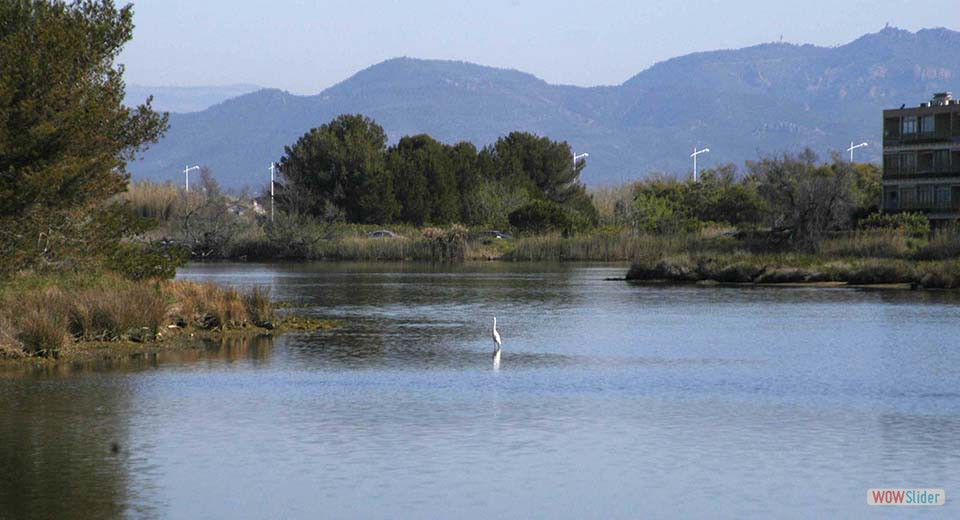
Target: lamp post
<point x="186" y="174"/>
<point x="273" y="168"/>
<point x="695" y="153"/>
<point x="577" y="157"/>
<point x="854" y="147"/>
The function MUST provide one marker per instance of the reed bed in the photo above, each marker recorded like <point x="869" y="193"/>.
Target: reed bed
<point x="40" y="319"/>
<point x="796" y="268"/>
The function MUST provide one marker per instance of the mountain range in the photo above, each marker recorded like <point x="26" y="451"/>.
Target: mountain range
<point x="186" y="99"/>
<point x="743" y="103"/>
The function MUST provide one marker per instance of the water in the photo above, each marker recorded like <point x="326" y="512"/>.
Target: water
<point x="612" y="401"/>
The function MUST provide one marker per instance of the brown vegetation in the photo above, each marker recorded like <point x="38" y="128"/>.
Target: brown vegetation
<point x="41" y="320"/>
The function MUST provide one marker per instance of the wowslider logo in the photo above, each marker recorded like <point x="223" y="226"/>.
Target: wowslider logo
<point x="906" y="497"/>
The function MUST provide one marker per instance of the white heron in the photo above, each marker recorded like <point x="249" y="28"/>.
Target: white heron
<point x="496" y="344"/>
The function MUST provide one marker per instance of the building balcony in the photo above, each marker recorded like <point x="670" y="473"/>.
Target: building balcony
<point x="921" y="207"/>
<point x="921" y="138"/>
<point x="896" y="174"/>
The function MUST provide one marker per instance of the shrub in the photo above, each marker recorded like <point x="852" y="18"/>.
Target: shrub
<point x="542" y="216"/>
<point x="939" y="275"/>
<point x="912" y="224"/>
<point x="944" y="244"/>
<point x="878" y="272"/>
<point x="875" y="243"/>
<point x="158" y="260"/>
<point x="41" y="322"/>
<point x="258" y="306"/>
<point x="446" y="245"/>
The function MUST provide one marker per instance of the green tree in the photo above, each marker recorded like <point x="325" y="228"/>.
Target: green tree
<point x="427" y="187"/>
<point x="65" y="133"/>
<point x="868" y="189"/>
<point x="542" y="166"/>
<point x="340" y="164"/>
<point x="803" y="196"/>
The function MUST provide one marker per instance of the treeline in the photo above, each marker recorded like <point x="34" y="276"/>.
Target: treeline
<point x="345" y="170"/>
<point x="795" y="199"/>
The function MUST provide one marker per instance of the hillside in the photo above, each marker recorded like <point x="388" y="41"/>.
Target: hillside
<point x="185" y="99"/>
<point x="763" y="99"/>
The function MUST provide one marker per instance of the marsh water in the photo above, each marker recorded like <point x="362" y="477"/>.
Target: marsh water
<point x="612" y="400"/>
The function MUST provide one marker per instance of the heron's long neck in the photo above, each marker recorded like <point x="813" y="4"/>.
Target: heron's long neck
<point x="494" y="324"/>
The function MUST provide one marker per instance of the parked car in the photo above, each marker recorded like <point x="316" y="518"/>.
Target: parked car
<point x="382" y="233"/>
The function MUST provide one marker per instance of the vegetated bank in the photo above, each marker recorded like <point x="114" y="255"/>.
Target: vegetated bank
<point x="82" y="316"/>
<point x="76" y="271"/>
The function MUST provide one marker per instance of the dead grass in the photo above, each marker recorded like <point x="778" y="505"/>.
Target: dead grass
<point x="38" y="319"/>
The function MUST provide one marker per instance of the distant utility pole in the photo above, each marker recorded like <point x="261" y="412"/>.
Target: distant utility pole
<point x="273" y="168"/>
<point x="577" y="158"/>
<point x="852" y="148"/>
<point x="186" y="174"/>
<point x="696" y="177"/>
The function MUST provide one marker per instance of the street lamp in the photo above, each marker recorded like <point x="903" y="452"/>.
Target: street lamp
<point x="852" y="148"/>
<point x="186" y="174"/>
<point x="694" y="155"/>
<point x="577" y="158"/>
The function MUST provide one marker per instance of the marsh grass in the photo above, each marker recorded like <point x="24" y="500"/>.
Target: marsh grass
<point x="613" y="244"/>
<point x="160" y="201"/>
<point x="41" y="317"/>
<point x="869" y="244"/>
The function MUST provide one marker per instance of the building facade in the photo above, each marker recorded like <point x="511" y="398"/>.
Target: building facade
<point x="921" y="158"/>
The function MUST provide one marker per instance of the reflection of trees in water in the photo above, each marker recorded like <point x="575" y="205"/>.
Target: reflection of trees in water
<point x="55" y="452"/>
<point x="59" y="422"/>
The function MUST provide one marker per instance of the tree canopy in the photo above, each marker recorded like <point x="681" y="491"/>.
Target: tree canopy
<point x="65" y="134"/>
<point x="343" y="168"/>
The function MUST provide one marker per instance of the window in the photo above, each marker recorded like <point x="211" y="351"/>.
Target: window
<point x="908" y="162"/>
<point x="925" y="162"/>
<point x="892" y="200"/>
<point x="891" y="127"/>
<point x="909" y="125"/>
<point x="941" y="161"/>
<point x="891" y="164"/>
<point x="925" y="196"/>
<point x="908" y="198"/>
<point x="943" y="197"/>
<point x="926" y="125"/>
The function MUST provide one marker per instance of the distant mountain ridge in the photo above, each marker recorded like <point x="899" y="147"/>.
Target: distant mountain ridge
<point x="742" y="103"/>
<point x="186" y="99"/>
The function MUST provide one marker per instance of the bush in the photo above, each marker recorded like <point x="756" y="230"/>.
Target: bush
<point x="939" y="275"/>
<point x="944" y="244"/>
<point x="155" y="260"/>
<point x="446" y="245"/>
<point x="912" y="224"/>
<point x="876" y="272"/>
<point x="875" y="243"/>
<point x="542" y="216"/>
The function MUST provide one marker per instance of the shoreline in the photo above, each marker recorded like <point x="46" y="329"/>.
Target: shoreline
<point x="180" y="340"/>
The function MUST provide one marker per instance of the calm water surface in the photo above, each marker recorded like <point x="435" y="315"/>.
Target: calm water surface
<point x="612" y="401"/>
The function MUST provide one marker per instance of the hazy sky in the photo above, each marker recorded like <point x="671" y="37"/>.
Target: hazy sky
<point x="307" y="45"/>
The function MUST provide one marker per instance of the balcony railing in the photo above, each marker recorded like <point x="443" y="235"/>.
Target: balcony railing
<point x="922" y="137"/>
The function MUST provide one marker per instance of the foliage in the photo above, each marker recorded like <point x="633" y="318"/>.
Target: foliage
<point x="447" y="245"/>
<point x="867" y="189"/>
<point x="345" y="167"/>
<point x="911" y="224"/>
<point x="543" y="216"/>
<point x="142" y="261"/>
<point x="427" y="188"/>
<point x="65" y="134"/>
<point x="340" y="164"/>
<point x="804" y="197"/>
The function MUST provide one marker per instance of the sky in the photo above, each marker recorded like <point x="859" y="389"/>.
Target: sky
<point x="305" y="46"/>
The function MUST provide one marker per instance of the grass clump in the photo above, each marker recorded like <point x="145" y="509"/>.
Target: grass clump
<point x="42" y="316"/>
